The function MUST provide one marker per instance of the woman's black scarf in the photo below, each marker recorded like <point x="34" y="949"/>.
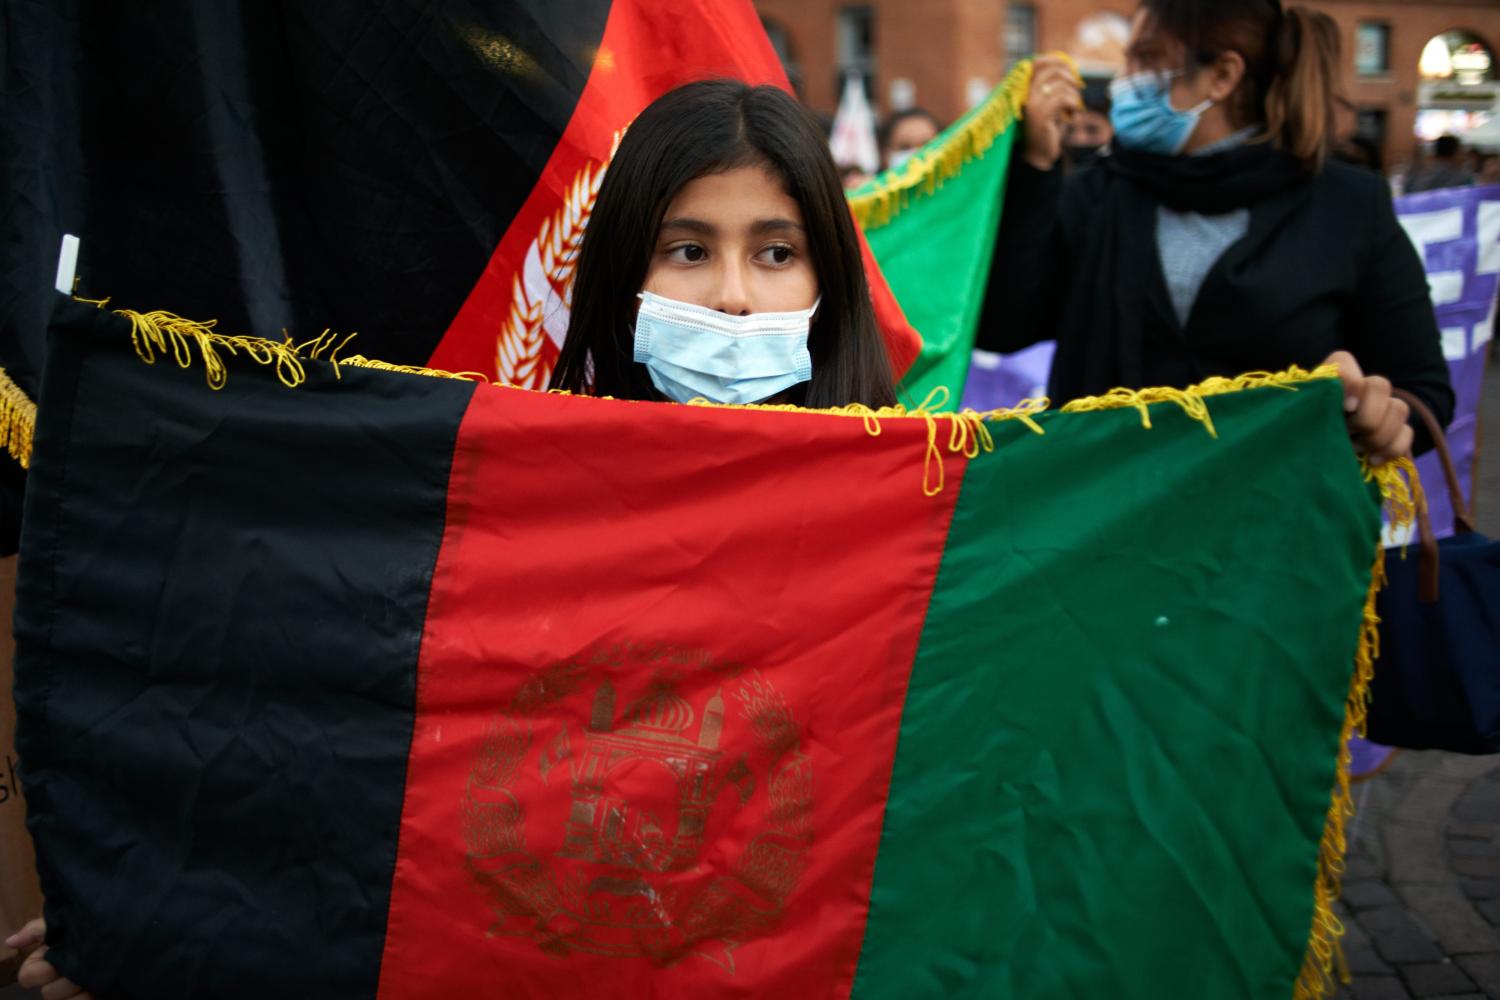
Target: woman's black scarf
<point x="1101" y="335"/>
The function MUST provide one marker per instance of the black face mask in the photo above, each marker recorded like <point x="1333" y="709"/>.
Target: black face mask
<point x="1082" y="156"/>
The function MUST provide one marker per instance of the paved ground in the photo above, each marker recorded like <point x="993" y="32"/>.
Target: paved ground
<point x="1421" y="899"/>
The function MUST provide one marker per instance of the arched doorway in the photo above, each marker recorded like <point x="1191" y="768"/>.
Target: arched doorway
<point x="1460" y="90"/>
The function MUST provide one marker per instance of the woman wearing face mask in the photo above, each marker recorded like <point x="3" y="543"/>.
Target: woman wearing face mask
<point x="1089" y="130"/>
<point x="1217" y="238"/>
<point x="905" y="132"/>
<point x="721" y="262"/>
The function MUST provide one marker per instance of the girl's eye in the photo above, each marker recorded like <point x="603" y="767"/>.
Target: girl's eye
<point x="779" y="254"/>
<point x="688" y="253"/>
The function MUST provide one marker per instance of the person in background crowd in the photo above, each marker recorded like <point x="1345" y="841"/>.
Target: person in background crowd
<point x="1489" y="169"/>
<point x="1403" y="171"/>
<point x="852" y="176"/>
<point x="1089" y="131"/>
<point x="1354" y="149"/>
<point x="905" y="132"/>
<point x="1445" y="170"/>
<point x="1217" y="238"/>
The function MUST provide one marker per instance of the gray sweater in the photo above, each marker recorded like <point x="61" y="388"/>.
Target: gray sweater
<point x="1191" y="244"/>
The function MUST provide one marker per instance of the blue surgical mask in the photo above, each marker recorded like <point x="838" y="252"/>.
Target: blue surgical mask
<point x="694" y="352"/>
<point x="1144" y="119"/>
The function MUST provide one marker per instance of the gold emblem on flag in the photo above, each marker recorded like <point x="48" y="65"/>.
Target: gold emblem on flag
<point x="674" y="822"/>
<point x="541" y="294"/>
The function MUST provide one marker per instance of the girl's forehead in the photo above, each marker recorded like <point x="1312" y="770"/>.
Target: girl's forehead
<point x="735" y="198"/>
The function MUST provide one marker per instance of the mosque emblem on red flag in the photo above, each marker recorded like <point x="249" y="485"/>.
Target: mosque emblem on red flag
<point x="660" y="810"/>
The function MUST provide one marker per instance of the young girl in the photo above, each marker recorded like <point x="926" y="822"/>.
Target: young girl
<point x="721" y="261"/>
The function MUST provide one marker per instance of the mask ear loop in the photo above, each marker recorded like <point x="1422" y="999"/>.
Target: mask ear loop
<point x="1167" y="77"/>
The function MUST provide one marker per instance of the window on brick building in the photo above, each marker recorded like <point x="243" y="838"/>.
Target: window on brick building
<point x="1372" y="48"/>
<point x="1020" y="32"/>
<point x="856" y="47"/>
<point x="1372" y="124"/>
<point x="781" y="41"/>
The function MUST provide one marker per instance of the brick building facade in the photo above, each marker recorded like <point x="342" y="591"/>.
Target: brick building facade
<point x="941" y="54"/>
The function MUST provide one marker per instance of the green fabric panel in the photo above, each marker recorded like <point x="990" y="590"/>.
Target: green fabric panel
<point x="936" y="257"/>
<point x="1121" y="728"/>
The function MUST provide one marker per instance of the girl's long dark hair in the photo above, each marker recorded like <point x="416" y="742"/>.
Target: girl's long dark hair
<point x="1291" y="64"/>
<point x="699" y="129"/>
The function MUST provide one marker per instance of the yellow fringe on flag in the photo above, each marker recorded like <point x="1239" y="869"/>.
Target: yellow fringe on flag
<point x="17" y="420"/>
<point x="360" y="361"/>
<point x="967" y="433"/>
<point x="1323" y="965"/>
<point x="1192" y="399"/>
<point x="884" y="198"/>
<point x="166" y="333"/>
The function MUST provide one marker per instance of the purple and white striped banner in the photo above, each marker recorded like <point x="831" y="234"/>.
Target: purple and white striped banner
<point x="1457" y="233"/>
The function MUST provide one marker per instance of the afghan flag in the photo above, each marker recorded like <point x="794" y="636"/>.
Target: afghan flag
<point x="337" y="680"/>
<point x="932" y="224"/>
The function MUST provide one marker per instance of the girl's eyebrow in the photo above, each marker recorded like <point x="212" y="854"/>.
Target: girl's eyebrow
<point x="691" y="226"/>
<point x="763" y="226"/>
<point x="760" y="227"/>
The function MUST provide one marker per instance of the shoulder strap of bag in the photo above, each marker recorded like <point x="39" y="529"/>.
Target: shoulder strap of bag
<point x="1463" y="522"/>
<point x="1428" y="570"/>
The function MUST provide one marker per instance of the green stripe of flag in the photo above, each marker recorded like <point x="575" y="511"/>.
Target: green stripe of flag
<point x="1121" y="727"/>
<point x="932" y="226"/>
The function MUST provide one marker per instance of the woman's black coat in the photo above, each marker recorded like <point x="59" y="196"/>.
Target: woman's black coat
<point x="1324" y="266"/>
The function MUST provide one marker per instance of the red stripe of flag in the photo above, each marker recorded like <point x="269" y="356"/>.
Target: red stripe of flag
<point x="652" y="815"/>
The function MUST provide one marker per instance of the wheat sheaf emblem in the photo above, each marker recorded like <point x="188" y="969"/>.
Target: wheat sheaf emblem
<point x="542" y="292"/>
